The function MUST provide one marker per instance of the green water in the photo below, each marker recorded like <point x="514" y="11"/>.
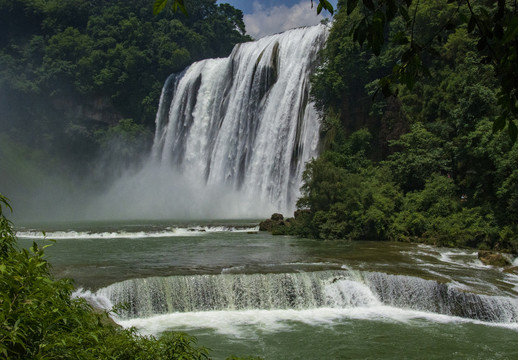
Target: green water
<point x="96" y="255"/>
<point x="371" y="339"/>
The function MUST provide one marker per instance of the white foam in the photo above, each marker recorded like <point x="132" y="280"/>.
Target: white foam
<point x="511" y="279"/>
<point x="170" y="232"/>
<point x="98" y="301"/>
<point x="239" y="323"/>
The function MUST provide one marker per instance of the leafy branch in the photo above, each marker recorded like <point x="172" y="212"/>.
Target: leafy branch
<point x="495" y="27"/>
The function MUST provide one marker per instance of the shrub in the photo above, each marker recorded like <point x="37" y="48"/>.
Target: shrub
<point x="40" y="320"/>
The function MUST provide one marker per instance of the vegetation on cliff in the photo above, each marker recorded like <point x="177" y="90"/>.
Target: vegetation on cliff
<point x="70" y="70"/>
<point x="425" y="166"/>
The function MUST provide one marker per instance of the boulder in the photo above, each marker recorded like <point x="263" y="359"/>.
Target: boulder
<point x="512" y="270"/>
<point x="492" y="258"/>
<point x="277" y="217"/>
<point x="276" y="220"/>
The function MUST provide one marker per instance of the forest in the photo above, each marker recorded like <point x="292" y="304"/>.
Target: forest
<point x="77" y="76"/>
<point x="424" y="166"/>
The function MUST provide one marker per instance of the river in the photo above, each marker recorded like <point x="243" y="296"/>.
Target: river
<point x="244" y="292"/>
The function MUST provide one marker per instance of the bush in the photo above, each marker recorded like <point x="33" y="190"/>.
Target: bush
<point x="40" y="320"/>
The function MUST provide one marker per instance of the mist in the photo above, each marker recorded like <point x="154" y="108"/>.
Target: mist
<point x="160" y="192"/>
<point x="117" y="191"/>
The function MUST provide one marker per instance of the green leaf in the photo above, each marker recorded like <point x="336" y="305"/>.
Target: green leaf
<point x="158" y="6"/>
<point x="513" y="131"/>
<point x="351" y="5"/>
<point x="319" y="8"/>
<point x="499" y="123"/>
<point x="178" y="4"/>
<point x="368" y="4"/>
<point x="328" y="6"/>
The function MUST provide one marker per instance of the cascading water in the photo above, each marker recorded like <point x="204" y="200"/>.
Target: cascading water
<point x="245" y="122"/>
<point x="301" y="291"/>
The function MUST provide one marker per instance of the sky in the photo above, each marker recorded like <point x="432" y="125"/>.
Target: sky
<point x="265" y="17"/>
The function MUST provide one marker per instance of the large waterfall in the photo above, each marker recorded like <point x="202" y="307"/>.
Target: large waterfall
<point x="245" y="123"/>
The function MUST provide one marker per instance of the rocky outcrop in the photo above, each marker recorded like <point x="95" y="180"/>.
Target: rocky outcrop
<point x="268" y="224"/>
<point x="493" y="258"/>
<point x="512" y="270"/>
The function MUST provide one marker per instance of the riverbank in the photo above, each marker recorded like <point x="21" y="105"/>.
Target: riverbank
<point x="297" y="225"/>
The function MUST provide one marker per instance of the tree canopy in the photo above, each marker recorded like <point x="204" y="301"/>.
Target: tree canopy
<point x="70" y="69"/>
<point x="425" y="166"/>
<point x="493" y="25"/>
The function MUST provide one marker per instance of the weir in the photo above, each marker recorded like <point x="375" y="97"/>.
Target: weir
<point x="308" y="290"/>
<point x="245" y="122"/>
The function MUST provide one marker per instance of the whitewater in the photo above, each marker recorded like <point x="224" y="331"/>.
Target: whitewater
<point x="232" y="136"/>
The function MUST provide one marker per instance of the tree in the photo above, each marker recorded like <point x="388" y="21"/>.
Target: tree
<point x="495" y="26"/>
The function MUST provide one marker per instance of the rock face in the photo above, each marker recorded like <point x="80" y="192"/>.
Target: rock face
<point x="492" y="258"/>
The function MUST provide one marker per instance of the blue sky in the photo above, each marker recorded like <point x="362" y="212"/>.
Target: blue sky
<point x="264" y="17"/>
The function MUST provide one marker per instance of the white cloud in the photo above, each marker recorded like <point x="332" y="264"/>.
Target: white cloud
<point x="280" y="18"/>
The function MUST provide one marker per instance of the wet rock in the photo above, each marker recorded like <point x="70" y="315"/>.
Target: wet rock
<point x="277" y="217"/>
<point x="512" y="270"/>
<point x="274" y="223"/>
<point x="492" y="258"/>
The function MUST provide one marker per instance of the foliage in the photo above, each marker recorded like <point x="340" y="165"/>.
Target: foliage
<point x="422" y="155"/>
<point x="493" y="24"/>
<point x="39" y="318"/>
<point x="71" y="68"/>
<point x="446" y="178"/>
<point x="346" y="197"/>
<point x="437" y="215"/>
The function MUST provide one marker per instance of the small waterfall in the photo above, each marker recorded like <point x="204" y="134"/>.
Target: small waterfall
<point x="428" y="295"/>
<point x="335" y="289"/>
<point x="245" y="122"/>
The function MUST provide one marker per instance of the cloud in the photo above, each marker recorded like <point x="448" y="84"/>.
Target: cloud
<point x="266" y="21"/>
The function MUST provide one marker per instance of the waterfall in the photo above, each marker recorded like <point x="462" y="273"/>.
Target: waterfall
<point x="300" y="291"/>
<point x="245" y="122"/>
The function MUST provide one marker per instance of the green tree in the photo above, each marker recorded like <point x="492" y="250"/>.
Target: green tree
<point x="71" y="69"/>
<point x="421" y="155"/>
<point x="494" y="25"/>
